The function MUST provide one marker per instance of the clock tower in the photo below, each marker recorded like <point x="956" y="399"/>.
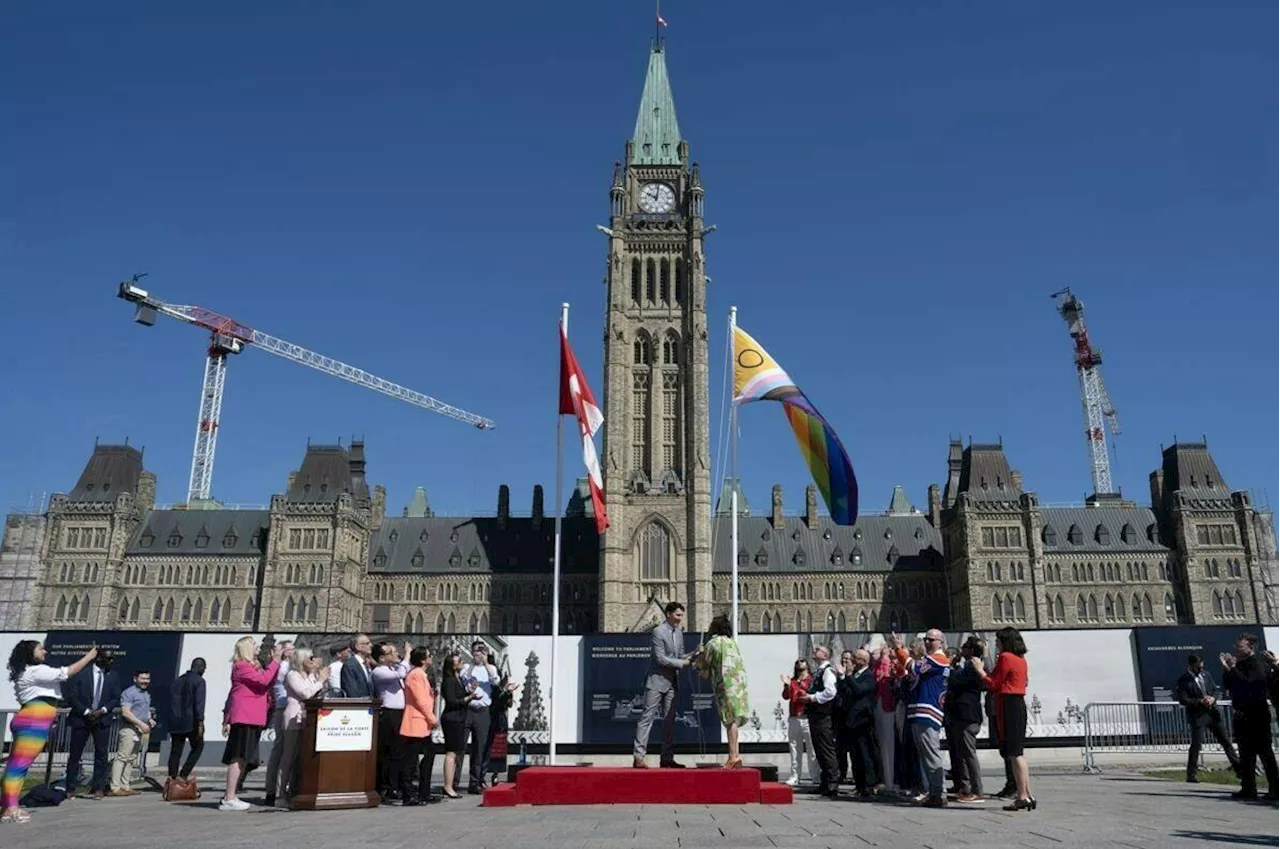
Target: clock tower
<point x="656" y="458"/>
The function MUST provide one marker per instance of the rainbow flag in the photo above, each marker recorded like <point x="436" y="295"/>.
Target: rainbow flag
<point x="757" y="377"/>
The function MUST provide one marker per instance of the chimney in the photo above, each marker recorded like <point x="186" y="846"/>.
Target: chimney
<point x="289" y="486"/>
<point x="537" y="505"/>
<point x="504" y="505"/>
<point x="1017" y="479"/>
<point x="811" y="507"/>
<point x="777" y="520"/>
<point x="1157" y="492"/>
<point x="378" y="509"/>
<point x="935" y="506"/>
<point x="147" y="491"/>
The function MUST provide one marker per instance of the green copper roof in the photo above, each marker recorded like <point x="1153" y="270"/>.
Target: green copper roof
<point x="724" y="504"/>
<point x="898" y="503"/>
<point x="418" y="508"/>
<point x="657" y="136"/>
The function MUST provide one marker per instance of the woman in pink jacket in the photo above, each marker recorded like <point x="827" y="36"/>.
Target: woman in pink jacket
<point x="246" y="714"/>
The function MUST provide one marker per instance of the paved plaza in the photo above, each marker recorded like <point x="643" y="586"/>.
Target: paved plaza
<point x="1101" y="812"/>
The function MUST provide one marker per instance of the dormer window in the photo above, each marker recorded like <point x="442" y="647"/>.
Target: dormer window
<point x="147" y="539"/>
<point x="422" y="537"/>
<point x="175" y="539"/>
<point x="826" y="534"/>
<point x="892" y="556"/>
<point x="762" y="557"/>
<point x="473" y="560"/>
<point x="1102" y="535"/>
<point x="857" y="533"/>
<point x="856" y="557"/>
<point x="1075" y="536"/>
<point x="393" y="536"/>
<point x="230" y="540"/>
<point x="417" y="560"/>
<point x="888" y="534"/>
<point x="1049" y="536"/>
<point x="766" y="535"/>
<point x="798" y="558"/>
<point x="202" y="540"/>
<point x="743" y="557"/>
<point x="379" y="560"/>
<point x="1128" y="534"/>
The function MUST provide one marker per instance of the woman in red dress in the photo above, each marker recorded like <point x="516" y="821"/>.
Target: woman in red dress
<point x="1009" y="683"/>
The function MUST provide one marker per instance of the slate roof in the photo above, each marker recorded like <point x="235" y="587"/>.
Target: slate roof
<point x="657" y="135"/>
<point x="986" y="476"/>
<point x="326" y="472"/>
<point x="439" y="545"/>
<point x="204" y="532"/>
<point x="1189" y="467"/>
<point x="874" y="544"/>
<point x="111" y="469"/>
<point x="1141" y="523"/>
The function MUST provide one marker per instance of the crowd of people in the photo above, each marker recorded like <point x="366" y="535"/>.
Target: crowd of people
<point x="875" y="720"/>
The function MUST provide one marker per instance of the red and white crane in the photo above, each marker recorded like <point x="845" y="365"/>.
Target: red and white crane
<point x="1093" y="393"/>
<point x="228" y="336"/>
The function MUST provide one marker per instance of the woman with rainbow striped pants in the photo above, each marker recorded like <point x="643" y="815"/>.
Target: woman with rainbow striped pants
<point x="39" y="687"/>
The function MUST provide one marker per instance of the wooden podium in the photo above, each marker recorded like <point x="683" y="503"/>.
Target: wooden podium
<point x="338" y="757"/>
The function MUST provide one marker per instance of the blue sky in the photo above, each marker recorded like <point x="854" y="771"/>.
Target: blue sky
<point x="412" y="187"/>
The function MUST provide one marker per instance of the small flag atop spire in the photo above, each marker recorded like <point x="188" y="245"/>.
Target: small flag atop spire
<point x="662" y="22"/>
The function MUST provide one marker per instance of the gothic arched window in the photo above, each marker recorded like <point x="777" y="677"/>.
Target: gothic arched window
<point x="671" y="350"/>
<point x="678" y="269"/>
<point x="642" y="350"/>
<point x="653" y="553"/>
<point x="650" y="282"/>
<point x="664" y="281"/>
<point x="636" y="282"/>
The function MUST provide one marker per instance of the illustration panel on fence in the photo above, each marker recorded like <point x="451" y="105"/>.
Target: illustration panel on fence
<point x="615" y="667"/>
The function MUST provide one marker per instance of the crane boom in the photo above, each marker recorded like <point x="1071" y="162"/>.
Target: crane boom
<point x="1099" y="413"/>
<point x="229" y="336"/>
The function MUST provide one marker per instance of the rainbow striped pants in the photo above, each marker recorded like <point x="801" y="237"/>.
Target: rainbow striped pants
<point x="30" y="730"/>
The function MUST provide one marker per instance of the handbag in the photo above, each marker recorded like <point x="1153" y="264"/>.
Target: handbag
<point x="181" y="790"/>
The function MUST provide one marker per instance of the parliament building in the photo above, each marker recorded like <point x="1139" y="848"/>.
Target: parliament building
<point x="981" y="552"/>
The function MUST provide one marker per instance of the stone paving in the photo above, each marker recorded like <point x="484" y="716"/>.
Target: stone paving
<point x="1103" y="812"/>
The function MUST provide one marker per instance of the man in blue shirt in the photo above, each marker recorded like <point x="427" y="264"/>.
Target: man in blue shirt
<point x="135" y="733"/>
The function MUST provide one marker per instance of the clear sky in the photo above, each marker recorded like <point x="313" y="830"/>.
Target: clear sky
<point x="412" y="187"/>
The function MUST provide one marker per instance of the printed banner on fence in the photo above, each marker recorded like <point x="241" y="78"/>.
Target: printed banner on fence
<point x="1162" y="654"/>
<point x="613" y="678"/>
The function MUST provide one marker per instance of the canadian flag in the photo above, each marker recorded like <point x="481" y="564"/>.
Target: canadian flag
<point x="576" y="400"/>
<point x="662" y="22"/>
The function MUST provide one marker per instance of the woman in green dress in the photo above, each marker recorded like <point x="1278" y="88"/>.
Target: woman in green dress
<point x="721" y="661"/>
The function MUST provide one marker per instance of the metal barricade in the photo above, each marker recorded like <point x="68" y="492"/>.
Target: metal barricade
<point x="1147" y="728"/>
<point x="57" y="750"/>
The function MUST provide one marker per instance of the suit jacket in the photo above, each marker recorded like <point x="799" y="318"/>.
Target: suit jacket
<point x="1249" y="684"/>
<point x="78" y="693"/>
<point x="186" y="703"/>
<point x="964" y="695"/>
<point x="857" y="695"/>
<point x="1190" y="693"/>
<point x="356" y="683"/>
<point x="665" y="661"/>
<point x="419" y="705"/>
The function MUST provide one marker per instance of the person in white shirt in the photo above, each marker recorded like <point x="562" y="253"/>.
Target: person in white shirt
<point x="339" y="653"/>
<point x="38" y="688"/>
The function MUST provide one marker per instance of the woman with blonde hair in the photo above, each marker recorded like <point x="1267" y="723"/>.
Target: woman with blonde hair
<point x="307" y="678"/>
<point x="246" y="714"/>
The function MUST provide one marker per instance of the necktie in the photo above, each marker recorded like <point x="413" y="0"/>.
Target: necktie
<point x="97" y="687"/>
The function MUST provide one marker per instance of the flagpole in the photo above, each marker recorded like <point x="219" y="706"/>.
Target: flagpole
<point x="733" y="476"/>
<point x="555" y="567"/>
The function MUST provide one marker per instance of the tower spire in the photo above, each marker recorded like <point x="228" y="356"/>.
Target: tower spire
<point x="657" y="136"/>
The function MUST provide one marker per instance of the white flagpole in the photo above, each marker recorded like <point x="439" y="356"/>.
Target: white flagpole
<point x="733" y="473"/>
<point x="555" y="567"/>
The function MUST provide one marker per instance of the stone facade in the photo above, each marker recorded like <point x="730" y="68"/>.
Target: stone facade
<point x="1200" y="554"/>
<point x="325" y="557"/>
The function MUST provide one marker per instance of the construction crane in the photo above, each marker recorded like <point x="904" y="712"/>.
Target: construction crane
<point x="228" y="336"/>
<point x="1093" y="393"/>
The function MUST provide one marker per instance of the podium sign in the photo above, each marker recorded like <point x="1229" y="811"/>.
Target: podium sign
<point x="339" y="755"/>
<point x="344" y="729"/>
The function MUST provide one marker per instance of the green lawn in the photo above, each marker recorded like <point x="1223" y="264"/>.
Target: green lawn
<point x="1207" y="776"/>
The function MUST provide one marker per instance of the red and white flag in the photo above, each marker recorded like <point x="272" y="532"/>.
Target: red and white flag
<point x="576" y="400"/>
<point x="662" y="22"/>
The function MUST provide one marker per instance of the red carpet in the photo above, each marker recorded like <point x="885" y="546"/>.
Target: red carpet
<point x="566" y="785"/>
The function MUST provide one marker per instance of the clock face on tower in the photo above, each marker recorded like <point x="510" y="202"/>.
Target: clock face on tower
<point x="657" y="197"/>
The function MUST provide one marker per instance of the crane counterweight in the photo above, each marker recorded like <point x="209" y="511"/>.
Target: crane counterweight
<point x="228" y="336"/>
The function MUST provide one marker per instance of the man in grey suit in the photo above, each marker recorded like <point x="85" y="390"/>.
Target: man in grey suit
<point x="666" y="659"/>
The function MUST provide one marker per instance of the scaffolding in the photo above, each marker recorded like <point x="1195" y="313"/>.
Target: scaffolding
<point x="24" y="530"/>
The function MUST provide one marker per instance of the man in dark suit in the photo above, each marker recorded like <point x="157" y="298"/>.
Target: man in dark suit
<point x="92" y="696"/>
<point x="186" y="719"/>
<point x="356" y="670"/>
<point x="962" y="713"/>
<point x="1248" y="680"/>
<point x="856" y="693"/>
<point x="1197" y="692"/>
